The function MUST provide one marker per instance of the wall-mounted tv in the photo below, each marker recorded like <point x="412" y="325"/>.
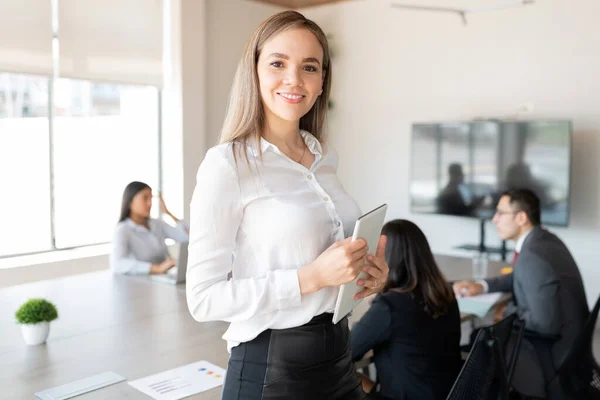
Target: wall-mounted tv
<point x="461" y="168"/>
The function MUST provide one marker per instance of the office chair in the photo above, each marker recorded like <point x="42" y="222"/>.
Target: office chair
<point x="483" y="375"/>
<point x="487" y="374"/>
<point x="511" y="327"/>
<point x="579" y="374"/>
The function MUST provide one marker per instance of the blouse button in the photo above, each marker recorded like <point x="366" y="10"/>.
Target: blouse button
<point x="326" y="198"/>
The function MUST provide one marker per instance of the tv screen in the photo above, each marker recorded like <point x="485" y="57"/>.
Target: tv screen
<point x="461" y="168"/>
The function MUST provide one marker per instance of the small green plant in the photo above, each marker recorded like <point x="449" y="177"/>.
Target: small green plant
<point x="36" y="310"/>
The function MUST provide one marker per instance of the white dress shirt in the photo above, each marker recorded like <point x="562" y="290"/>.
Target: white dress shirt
<point x="274" y="216"/>
<point x="135" y="248"/>
<point x="521" y="240"/>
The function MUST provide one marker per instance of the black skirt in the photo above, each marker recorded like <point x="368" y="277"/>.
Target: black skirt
<point x="312" y="361"/>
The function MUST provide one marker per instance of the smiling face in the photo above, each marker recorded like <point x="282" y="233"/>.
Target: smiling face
<point x="290" y="75"/>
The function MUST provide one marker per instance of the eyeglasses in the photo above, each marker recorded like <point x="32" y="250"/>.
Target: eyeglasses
<point x="501" y="213"/>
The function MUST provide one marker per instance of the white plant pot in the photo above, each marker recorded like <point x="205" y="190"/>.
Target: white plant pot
<point x="35" y="334"/>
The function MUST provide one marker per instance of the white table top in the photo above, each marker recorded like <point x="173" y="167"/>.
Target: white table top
<point x="132" y="326"/>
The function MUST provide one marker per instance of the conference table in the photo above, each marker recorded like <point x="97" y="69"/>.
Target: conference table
<point x="132" y="326"/>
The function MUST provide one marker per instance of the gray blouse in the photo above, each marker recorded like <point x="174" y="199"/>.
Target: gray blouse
<point x="135" y="248"/>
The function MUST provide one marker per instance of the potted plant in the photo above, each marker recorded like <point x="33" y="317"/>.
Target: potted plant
<point x="35" y="316"/>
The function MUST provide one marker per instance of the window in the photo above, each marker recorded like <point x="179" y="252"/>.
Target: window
<point x="103" y="137"/>
<point x="70" y="145"/>
<point x="24" y="164"/>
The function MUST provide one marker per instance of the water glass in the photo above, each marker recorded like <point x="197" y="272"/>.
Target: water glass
<point x="480" y="266"/>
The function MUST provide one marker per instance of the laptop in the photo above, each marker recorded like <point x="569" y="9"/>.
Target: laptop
<point x="181" y="266"/>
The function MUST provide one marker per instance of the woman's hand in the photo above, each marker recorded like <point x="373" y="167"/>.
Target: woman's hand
<point x="163" y="206"/>
<point x="165" y="210"/>
<point x="378" y="271"/>
<point x="163" y="267"/>
<point x="337" y="265"/>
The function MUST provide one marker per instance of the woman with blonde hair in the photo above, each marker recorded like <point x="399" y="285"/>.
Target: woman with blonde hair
<point x="269" y="195"/>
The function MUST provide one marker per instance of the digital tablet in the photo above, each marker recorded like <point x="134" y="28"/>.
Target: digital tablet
<point x="367" y="227"/>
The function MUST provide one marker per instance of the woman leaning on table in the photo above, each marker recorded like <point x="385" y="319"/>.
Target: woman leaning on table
<point x="138" y="246"/>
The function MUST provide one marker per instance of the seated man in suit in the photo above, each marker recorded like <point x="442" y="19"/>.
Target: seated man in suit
<point x="546" y="285"/>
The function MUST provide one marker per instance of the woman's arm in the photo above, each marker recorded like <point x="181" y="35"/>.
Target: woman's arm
<point x="179" y="233"/>
<point x="216" y="213"/>
<point x="123" y="263"/>
<point x="182" y="227"/>
<point x="374" y="327"/>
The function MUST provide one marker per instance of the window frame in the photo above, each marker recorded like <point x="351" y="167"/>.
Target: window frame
<point x="51" y="199"/>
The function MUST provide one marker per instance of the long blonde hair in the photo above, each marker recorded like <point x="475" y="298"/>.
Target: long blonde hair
<point x="245" y="118"/>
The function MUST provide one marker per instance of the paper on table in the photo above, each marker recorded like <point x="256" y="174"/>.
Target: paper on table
<point x="181" y="382"/>
<point x="478" y="305"/>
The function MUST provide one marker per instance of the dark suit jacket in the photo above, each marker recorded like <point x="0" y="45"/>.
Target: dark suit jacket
<point x="547" y="290"/>
<point x="416" y="356"/>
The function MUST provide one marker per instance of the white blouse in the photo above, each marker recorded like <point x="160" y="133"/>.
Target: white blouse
<point x="273" y="216"/>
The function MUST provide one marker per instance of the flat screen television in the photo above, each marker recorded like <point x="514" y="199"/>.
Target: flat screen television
<point x="461" y="168"/>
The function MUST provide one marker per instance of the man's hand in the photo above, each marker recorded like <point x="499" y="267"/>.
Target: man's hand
<point x="499" y="313"/>
<point x="467" y="288"/>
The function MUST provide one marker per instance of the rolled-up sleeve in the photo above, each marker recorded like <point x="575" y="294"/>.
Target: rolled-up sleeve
<point x="216" y="213"/>
<point x="121" y="261"/>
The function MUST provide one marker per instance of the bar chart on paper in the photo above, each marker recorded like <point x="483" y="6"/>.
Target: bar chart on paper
<point x="181" y="382"/>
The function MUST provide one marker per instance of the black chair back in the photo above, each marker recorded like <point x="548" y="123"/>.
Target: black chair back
<point x="510" y="330"/>
<point x="579" y="374"/>
<point x="483" y="375"/>
<point x="488" y="370"/>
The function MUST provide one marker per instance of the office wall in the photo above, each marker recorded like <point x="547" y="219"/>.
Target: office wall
<point x="393" y="67"/>
<point x="194" y="95"/>
<point x="229" y="25"/>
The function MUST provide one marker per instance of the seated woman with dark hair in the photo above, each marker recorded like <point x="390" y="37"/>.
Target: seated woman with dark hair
<point x="139" y="246"/>
<point x="413" y="325"/>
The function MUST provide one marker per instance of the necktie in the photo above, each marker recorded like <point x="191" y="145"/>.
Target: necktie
<point x="515" y="256"/>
